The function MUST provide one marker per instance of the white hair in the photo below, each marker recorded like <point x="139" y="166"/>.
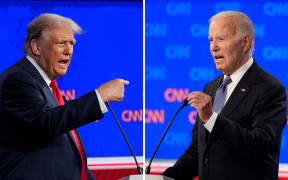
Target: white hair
<point x="243" y="24"/>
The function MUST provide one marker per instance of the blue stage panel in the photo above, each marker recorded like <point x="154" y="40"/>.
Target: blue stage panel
<point x="178" y="61"/>
<point x="110" y="47"/>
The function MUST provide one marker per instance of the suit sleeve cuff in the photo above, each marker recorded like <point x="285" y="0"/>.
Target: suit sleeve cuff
<point x="101" y="102"/>
<point x="211" y="122"/>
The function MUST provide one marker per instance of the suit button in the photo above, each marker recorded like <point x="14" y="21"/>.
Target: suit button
<point x="205" y="160"/>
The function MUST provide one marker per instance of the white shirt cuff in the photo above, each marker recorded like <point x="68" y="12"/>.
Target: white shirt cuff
<point x="101" y="102"/>
<point x="210" y="123"/>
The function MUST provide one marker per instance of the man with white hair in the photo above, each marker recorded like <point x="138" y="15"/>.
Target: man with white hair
<point x="241" y="114"/>
<point x="38" y="136"/>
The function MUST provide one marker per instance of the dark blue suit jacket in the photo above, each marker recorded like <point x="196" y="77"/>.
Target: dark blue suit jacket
<point x="245" y="140"/>
<point x="35" y="139"/>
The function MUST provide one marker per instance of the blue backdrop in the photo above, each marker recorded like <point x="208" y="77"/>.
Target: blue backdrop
<point x="178" y="61"/>
<point x="110" y="47"/>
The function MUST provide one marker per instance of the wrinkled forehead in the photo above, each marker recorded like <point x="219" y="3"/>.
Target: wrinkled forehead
<point x="225" y="25"/>
<point x="56" y="32"/>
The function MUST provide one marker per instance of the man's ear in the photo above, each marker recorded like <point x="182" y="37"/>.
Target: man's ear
<point x="246" y="44"/>
<point x="35" y="47"/>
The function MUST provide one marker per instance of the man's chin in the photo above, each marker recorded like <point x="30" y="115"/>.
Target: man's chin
<point x="219" y="68"/>
<point x="60" y="73"/>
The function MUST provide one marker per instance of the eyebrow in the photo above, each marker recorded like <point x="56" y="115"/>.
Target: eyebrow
<point x="64" y="40"/>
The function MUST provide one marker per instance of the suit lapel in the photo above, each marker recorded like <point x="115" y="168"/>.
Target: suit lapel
<point x="210" y="90"/>
<point x="49" y="95"/>
<point x="72" y="139"/>
<point x="73" y="142"/>
<point x="214" y="87"/>
<point x="25" y="64"/>
<point x="83" y="149"/>
<point x="241" y="90"/>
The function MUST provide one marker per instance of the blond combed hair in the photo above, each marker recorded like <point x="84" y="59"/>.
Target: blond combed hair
<point x="46" y="22"/>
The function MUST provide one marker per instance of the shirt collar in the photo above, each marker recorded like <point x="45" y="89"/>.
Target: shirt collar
<point x="237" y="75"/>
<point x="39" y="69"/>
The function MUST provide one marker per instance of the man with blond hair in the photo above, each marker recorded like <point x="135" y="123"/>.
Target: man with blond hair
<point x="241" y="114"/>
<point x="38" y="136"/>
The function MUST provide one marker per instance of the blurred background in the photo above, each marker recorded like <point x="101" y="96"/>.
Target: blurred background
<point x="178" y="61"/>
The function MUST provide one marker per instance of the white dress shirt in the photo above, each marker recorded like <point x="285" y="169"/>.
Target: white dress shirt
<point x="48" y="81"/>
<point x="235" y="77"/>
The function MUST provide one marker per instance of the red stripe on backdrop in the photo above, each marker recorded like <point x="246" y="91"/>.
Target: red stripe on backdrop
<point x="113" y="168"/>
<point x="115" y="164"/>
<point x="113" y="174"/>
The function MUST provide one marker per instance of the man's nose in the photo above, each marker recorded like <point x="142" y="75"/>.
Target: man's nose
<point x="213" y="46"/>
<point x="68" y="49"/>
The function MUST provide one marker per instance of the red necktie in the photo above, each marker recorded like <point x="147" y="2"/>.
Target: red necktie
<point x="59" y="99"/>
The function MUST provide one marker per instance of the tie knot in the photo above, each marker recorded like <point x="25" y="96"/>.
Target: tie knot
<point x="53" y="84"/>
<point x="226" y="81"/>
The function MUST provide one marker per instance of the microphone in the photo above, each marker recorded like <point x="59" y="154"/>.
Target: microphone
<point x="138" y="167"/>
<point x="185" y="103"/>
<point x="65" y="100"/>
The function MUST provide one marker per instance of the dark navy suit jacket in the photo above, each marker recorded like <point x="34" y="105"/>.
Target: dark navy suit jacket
<point x="35" y="139"/>
<point x="245" y="140"/>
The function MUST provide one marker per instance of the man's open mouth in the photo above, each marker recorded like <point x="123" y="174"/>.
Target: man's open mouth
<point x="63" y="63"/>
<point x="218" y="57"/>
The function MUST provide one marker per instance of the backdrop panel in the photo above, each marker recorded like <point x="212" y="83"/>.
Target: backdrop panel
<point x="178" y="61"/>
<point x="110" y="47"/>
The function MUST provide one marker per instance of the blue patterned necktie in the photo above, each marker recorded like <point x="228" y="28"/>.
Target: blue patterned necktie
<point x="221" y="95"/>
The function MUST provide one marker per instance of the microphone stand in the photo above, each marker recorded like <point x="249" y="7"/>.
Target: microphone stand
<point x="138" y="167"/>
<point x="185" y="102"/>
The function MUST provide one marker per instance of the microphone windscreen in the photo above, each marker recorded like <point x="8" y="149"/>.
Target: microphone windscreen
<point x="185" y="102"/>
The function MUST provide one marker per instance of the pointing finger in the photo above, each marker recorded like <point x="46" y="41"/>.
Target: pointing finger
<point x="124" y="82"/>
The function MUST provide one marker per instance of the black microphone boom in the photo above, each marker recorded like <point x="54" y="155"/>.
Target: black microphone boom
<point x="138" y="167"/>
<point x="65" y="100"/>
<point x="185" y="102"/>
